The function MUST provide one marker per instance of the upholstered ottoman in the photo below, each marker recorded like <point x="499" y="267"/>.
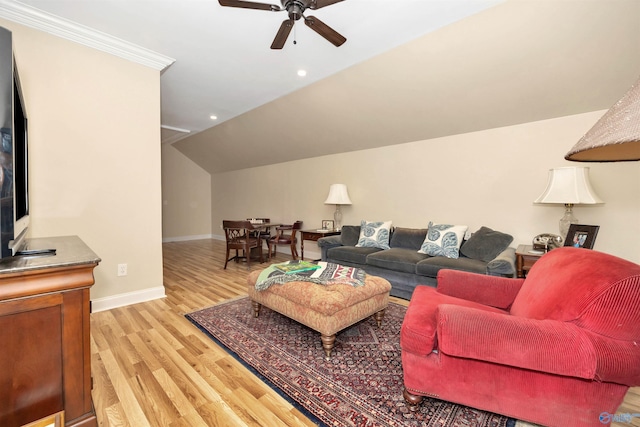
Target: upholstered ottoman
<point x="327" y="309"/>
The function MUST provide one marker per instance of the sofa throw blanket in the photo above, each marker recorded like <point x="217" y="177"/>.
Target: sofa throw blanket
<point x="329" y="273"/>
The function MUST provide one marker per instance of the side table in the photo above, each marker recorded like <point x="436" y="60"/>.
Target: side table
<point x="526" y="256"/>
<point x="314" y="235"/>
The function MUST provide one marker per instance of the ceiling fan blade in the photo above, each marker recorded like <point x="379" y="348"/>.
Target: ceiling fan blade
<point x="283" y="33"/>
<point x="317" y="4"/>
<point x="249" y="5"/>
<point x="324" y="30"/>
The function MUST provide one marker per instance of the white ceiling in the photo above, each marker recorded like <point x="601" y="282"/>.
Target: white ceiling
<point x="223" y="63"/>
<point x="410" y="70"/>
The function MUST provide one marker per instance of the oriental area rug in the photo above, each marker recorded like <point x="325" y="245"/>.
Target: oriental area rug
<point x="361" y="385"/>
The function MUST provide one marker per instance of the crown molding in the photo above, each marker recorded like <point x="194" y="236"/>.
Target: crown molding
<point x="171" y="134"/>
<point x="57" y="26"/>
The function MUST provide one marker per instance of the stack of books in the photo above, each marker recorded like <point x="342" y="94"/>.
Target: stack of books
<point x="293" y="267"/>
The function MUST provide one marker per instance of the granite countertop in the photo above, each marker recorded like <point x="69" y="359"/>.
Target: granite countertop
<point x="69" y="251"/>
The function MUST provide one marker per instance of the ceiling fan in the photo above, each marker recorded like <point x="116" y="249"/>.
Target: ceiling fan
<point x="295" y="9"/>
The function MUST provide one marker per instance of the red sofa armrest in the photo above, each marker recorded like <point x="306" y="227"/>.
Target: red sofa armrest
<point x="617" y="361"/>
<point x="499" y="292"/>
<point x="541" y="345"/>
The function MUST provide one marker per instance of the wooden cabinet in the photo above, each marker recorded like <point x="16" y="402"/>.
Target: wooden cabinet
<point x="45" y="358"/>
<point x="55" y="420"/>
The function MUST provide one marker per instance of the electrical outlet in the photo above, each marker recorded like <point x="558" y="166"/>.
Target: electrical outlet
<point x="122" y="269"/>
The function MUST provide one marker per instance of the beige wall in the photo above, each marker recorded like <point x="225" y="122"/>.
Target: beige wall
<point x="94" y="127"/>
<point x="484" y="178"/>
<point x="186" y="198"/>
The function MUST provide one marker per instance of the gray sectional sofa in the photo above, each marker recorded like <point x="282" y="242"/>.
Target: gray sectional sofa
<point x="487" y="252"/>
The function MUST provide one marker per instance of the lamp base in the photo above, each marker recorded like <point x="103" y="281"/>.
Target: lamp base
<point x="567" y="220"/>
<point x="337" y="218"/>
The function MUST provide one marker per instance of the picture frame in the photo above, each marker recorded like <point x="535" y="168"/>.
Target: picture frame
<point x="581" y="236"/>
<point x="327" y="224"/>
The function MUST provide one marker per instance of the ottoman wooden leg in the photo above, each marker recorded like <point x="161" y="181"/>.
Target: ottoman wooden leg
<point x="256" y="308"/>
<point x="327" y="344"/>
<point x="379" y="316"/>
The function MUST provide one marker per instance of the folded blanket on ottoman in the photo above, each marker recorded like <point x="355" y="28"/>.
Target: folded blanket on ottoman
<point x="328" y="273"/>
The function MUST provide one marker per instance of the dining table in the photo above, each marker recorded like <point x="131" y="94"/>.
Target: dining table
<point x="263" y="226"/>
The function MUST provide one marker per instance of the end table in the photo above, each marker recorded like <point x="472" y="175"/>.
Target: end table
<point x="314" y="235"/>
<point x="526" y="256"/>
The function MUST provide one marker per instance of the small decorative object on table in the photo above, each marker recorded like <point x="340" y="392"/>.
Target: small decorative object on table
<point x="327" y="224"/>
<point x="545" y="242"/>
<point x="581" y="236"/>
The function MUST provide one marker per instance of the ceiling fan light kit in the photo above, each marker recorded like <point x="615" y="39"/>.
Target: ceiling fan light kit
<point x="295" y="9"/>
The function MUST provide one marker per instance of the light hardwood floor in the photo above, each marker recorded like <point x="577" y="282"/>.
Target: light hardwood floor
<point x="152" y="367"/>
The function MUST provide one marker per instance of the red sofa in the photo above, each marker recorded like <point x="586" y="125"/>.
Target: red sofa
<point x="559" y="348"/>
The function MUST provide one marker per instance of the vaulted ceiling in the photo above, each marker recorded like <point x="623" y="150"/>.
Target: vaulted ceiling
<point x="410" y="70"/>
<point x="517" y="62"/>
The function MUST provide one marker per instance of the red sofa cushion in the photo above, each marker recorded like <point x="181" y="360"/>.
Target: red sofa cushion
<point x="420" y="323"/>
<point x="499" y="292"/>
<point x="541" y="345"/>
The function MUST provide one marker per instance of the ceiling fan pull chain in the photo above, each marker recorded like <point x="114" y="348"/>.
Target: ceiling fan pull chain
<point x="294" y="34"/>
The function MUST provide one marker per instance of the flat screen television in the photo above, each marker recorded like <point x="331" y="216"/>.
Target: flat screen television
<point x="20" y="168"/>
<point x="14" y="159"/>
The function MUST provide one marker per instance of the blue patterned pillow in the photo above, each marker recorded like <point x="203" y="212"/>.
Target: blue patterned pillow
<point x="374" y="234"/>
<point x="443" y="240"/>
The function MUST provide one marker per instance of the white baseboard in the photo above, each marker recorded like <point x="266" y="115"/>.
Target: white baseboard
<point x="128" y="298"/>
<point x="198" y="237"/>
<point x="187" y="238"/>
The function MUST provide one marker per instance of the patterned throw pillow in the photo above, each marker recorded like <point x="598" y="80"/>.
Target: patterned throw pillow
<point x="374" y="234"/>
<point x="443" y="240"/>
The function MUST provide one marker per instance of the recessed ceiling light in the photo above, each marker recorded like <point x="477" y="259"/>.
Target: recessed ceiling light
<point x="213" y="117"/>
<point x="302" y="73"/>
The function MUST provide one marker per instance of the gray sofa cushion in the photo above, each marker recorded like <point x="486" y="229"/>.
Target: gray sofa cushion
<point x="350" y="234"/>
<point x="504" y="264"/>
<point x="350" y="254"/>
<point x="408" y="238"/>
<point x="485" y="244"/>
<point x="431" y="266"/>
<point x="397" y="259"/>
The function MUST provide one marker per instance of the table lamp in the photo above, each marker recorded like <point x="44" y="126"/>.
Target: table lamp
<point x="338" y="195"/>
<point x="569" y="186"/>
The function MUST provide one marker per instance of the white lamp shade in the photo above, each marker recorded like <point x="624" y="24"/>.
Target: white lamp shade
<point x="569" y="185"/>
<point x="338" y="195"/>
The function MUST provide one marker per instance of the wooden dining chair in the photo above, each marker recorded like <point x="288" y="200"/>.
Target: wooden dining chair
<point x="285" y="235"/>
<point x="240" y="235"/>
